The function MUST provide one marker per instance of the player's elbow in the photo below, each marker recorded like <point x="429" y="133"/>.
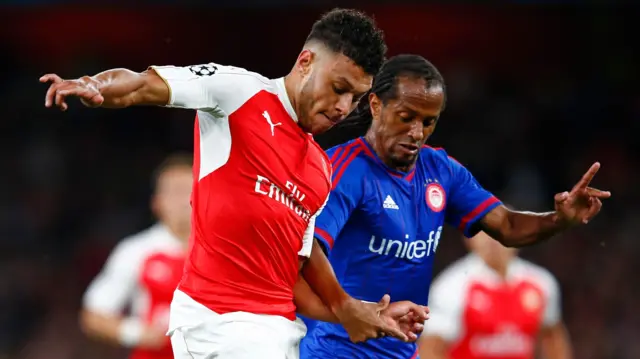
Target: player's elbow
<point x="91" y="324"/>
<point x="86" y="321"/>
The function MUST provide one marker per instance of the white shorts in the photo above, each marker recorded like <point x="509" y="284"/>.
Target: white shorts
<point x="198" y="333"/>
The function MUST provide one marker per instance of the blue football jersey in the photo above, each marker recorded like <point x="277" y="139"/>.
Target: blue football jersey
<point x="381" y="228"/>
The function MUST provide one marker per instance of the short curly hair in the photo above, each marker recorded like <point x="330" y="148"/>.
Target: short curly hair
<point x="353" y="34"/>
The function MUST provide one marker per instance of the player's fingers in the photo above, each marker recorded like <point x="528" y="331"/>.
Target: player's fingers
<point x="88" y="96"/>
<point x="423" y="312"/>
<point x="412" y="337"/>
<point x="587" y="177"/>
<point x="418" y="312"/>
<point x="407" y="318"/>
<point x="594" y="209"/>
<point x="384" y="302"/>
<point x="50" y="78"/>
<point x="561" y="197"/>
<point x="49" y="97"/>
<point x="594" y="192"/>
<point x="395" y="332"/>
<point x="60" y="101"/>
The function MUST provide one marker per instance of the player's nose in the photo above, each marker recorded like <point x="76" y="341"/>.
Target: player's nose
<point x="343" y="106"/>
<point x="416" y="132"/>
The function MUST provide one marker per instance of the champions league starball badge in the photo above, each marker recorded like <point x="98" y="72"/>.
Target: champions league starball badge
<point x="203" y="70"/>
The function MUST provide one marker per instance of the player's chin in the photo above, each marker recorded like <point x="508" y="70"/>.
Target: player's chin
<point x="405" y="159"/>
<point x="319" y="123"/>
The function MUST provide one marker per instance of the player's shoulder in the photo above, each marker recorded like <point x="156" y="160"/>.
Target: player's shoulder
<point x="229" y="75"/>
<point x="457" y="276"/>
<point x="349" y="158"/>
<point x="542" y="276"/>
<point x="437" y="156"/>
<point x="244" y="77"/>
<point x="139" y="245"/>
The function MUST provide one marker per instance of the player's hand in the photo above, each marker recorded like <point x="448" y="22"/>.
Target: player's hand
<point x="363" y="320"/>
<point x="154" y="338"/>
<point x="582" y="203"/>
<point x="407" y="316"/>
<point x="85" y="88"/>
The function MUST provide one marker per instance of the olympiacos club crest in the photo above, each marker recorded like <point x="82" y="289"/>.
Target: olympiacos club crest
<point x="435" y="197"/>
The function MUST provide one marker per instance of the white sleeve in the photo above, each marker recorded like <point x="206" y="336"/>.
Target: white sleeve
<point x="308" y="237"/>
<point x="445" y="308"/>
<point x="112" y="290"/>
<point x="211" y="87"/>
<point x="552" y="311"/>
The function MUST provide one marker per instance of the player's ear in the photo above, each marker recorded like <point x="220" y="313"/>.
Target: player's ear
<point x="376" y="106"/>
<point x="304" y="61"/>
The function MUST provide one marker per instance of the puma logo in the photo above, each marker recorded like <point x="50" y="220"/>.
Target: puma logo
<point x="273" y="125"/>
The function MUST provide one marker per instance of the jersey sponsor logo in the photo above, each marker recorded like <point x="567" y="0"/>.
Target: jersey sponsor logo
<point x="435" y="197"/>
<point x="203" y="70"/>
<point x="292" y="199"/>
<point x="389" y="203"/>
<point x="509" y="341"/>
<point x="406" y="249"/>
<point x="271" y="124"/>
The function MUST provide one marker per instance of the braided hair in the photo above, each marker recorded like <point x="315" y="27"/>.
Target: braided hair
<point x="384" y="86"/>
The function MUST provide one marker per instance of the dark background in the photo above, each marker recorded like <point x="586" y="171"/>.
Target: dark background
<point x="536" y="94"/>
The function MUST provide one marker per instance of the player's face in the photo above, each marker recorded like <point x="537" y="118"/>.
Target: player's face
<point x="171" y="202"/>
<point x="403" y="124"/>
<point x="330" y="90"/>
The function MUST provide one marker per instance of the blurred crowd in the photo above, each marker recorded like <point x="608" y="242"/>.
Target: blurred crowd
<point x="74" y="184"/>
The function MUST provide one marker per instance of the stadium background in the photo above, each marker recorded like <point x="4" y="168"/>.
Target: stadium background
<point x="536" y="94"/>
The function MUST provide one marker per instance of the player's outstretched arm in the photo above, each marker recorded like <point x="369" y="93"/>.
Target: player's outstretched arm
<point x="116" y="88"/>
<point x="518" y="229"/>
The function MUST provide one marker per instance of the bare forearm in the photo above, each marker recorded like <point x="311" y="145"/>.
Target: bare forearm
<point x="320" y="277"/>
<point x="555" y="343"/>
<point x="123" y="88"/>
<point x="101" y="327"/>
<point x="432" y="347"/>
<point x="519" y="229"/>
<point x="309" y="304"/>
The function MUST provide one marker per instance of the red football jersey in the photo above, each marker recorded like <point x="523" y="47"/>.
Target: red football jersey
<point x="161" y="273"/>
<point x="259" y="182"/>
<point x="484" y="316"/>
<point x="141" y="273"/>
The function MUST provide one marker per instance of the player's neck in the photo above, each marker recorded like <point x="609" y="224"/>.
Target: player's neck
<point x="290" y="85"/>
<point x="500" y="267"/>
<point x="181" y="234"/>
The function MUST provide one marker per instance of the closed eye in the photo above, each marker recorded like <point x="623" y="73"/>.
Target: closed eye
<point x="339" y="90"/>
<point x="429" y="121"/>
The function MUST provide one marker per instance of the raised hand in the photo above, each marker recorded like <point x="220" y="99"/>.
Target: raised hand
<point x="582" y="203"/>
<point x="85" y="88"/>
